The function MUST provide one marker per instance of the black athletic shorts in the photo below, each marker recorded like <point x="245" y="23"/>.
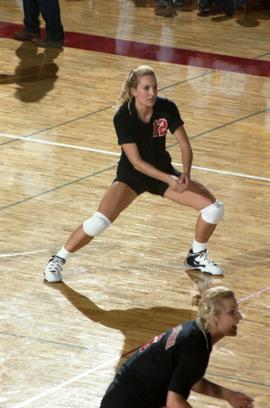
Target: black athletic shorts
<point x="141" y="183"/>
<point x="121" y="396"/>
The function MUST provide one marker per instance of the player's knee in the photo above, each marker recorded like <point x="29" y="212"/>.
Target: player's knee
<point x="213" y="213"/>
<point x="96" y="224"/>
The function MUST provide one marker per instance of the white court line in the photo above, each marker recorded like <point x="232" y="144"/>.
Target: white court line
<point x="69" y="146"/>
<point x="230" y="173"/>
<point x="21" y="253"/>
<point x="71" y="380"/>
<point x="108" y="153"/>
<point x="256" y="294"/>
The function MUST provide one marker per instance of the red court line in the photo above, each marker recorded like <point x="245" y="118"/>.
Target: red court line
<point x="153" y="52"/>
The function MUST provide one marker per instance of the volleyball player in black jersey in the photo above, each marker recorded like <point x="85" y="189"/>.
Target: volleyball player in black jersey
<point x="142" y="122"/>
<point x="162" y="373"/>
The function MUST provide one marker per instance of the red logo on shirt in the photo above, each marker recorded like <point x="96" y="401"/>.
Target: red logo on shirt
<point x="160" y="127"/>
<point x="153" y="340"/>
<point x="172" y="337"/>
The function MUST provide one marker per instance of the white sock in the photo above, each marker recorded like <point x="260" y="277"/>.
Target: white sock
<point x="63" y="253"/>
<point x="198" y="246"/>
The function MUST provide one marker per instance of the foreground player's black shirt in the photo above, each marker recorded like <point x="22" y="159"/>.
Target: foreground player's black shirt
<point x="150" y="137"/>
<point x="173" y="361"/>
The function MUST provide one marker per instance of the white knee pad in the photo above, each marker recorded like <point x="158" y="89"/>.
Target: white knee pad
<point x="213" y="213"/>
<point x="96" y="224"/>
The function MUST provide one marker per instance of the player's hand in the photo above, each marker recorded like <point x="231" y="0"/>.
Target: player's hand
<point x="175" y="183"/>
<point x="240" y="400"/>
<point x="184" y="180"/>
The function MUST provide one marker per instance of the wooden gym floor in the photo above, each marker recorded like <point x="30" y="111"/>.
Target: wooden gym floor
<point x="60" y="344"/>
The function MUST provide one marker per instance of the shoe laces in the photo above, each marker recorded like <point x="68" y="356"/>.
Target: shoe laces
<point x="203" y="256"/>
<point x="55" y="264"/>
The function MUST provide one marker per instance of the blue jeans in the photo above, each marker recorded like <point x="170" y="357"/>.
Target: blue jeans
<point x="50" y="11"/>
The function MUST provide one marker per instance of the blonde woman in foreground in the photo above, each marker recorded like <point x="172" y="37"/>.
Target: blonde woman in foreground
<point x="162" y="373"/>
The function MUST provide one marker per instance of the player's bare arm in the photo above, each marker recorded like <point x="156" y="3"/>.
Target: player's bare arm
<point x="234" y="398"/>
<point x="186" y="150"/>
<point x="175" y="400"/>
<point x="132" y="152"/>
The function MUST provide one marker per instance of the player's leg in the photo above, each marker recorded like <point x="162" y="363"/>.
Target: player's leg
<point x="115" y="200"/>
<point x="211" y="212"/>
